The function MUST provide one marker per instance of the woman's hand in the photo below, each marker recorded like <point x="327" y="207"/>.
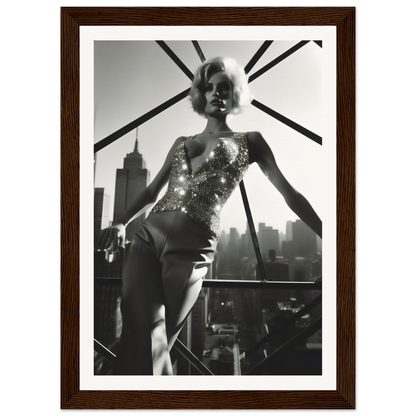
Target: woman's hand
<point x="112" y="238"/>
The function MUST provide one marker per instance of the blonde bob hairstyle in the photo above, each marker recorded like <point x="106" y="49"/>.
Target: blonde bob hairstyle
<point x="234" y="72"/>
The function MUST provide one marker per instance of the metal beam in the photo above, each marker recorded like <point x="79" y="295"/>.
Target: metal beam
<point x="198" y="50"/>
<point x="182" y="349"/>
<point x="236" y="284"/>
<point x="236" y="360"/>
<point x="288" y="122"/>
<point x="175" y="59"/>
<point x="252" y="229"/>
<point x="104" y="352"/>
<point x="260" y="284"/>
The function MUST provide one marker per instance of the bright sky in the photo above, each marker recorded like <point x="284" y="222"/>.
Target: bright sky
<point x="133" y="77"/>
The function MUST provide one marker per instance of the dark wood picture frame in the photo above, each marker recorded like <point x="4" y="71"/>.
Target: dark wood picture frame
<point x="71" y="395"/>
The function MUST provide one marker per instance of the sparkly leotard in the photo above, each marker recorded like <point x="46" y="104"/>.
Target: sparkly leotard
<point x="202" y="194"/>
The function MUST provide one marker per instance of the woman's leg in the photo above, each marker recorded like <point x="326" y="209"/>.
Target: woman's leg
<point x="187" y="253"/>
<point x="180" y="307"/>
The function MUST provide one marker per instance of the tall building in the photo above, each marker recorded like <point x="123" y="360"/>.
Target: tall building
<point x="268" y="239"/>
<point x="107" y="315"/>
<point x="305" y="239"/>
<point x="133" y="178"/>
<point x="233" y="251"/>
<point x="101" y="212"/>
<point x="289" y="234"/>
<point x="247" y="244"/>
<point x="289" y="250"/>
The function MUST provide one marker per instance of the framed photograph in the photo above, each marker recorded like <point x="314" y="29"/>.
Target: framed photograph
<point x="272" y="325"/>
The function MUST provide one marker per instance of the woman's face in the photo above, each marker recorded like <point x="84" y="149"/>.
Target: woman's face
<point x="218" y="95"/>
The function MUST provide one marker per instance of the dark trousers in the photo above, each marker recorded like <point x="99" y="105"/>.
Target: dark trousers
<point x="162" y="278"/>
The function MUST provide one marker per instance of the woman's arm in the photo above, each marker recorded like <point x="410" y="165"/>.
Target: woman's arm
<point x="260" y="152"/>
<point x="113" y="236"/>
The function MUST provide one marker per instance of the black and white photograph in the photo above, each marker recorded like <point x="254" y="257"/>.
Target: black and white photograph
<point x="213" y="173"/>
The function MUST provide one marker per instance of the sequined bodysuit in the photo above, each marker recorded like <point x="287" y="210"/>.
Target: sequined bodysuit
<point x="202" y="194"/>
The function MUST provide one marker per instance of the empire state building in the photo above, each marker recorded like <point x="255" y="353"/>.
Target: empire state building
<point x="130" y="181"/>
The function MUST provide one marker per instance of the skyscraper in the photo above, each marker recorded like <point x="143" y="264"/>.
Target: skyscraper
<point x="268" y="239"/>
<point x="304" y="238"/>
<point x="233" y="252"/>
<point x="289" y="233"/>
<point x="133" y="178"/>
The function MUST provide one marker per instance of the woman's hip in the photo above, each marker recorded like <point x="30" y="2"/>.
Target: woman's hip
<point x="174" y="232"/>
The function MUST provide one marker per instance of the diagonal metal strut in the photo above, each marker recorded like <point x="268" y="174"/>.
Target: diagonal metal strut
<point x="295" y="126"/>
<point x="175" y="59"/>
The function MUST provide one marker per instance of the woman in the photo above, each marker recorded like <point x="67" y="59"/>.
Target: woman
<point x="170" y="255"/>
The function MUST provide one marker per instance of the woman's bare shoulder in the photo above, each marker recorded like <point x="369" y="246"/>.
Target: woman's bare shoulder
<point x="254" y="136"/>
<point x="180" y="139"/>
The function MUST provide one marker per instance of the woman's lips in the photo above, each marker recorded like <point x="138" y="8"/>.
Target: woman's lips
<point x="217" y="103"/>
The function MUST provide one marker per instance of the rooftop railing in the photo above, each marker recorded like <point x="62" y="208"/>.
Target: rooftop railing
<point x="286" y="336"/>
